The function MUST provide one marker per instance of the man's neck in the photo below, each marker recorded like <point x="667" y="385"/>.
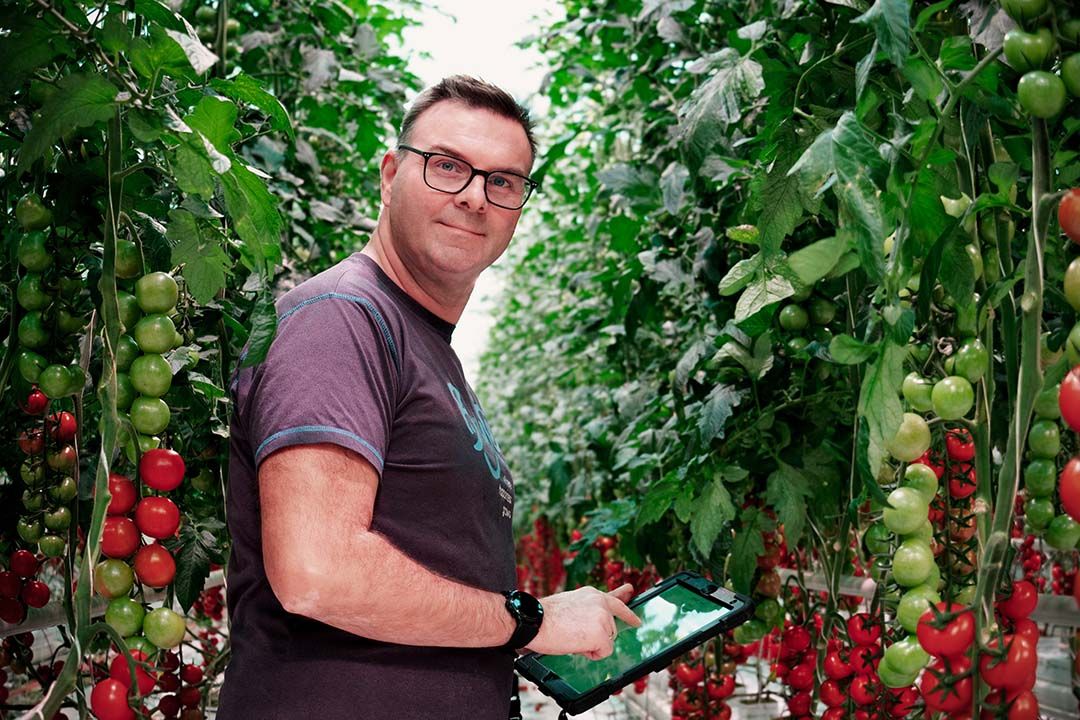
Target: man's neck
<point x="415" y="285"/>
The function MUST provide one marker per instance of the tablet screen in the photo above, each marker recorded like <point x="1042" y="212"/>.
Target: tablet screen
<point x="667" y="618"/>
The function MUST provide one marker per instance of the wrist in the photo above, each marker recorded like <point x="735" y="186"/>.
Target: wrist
<point x="527" y="614"/>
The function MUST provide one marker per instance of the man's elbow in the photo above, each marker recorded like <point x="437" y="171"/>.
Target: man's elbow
<point x="299" y="585"/>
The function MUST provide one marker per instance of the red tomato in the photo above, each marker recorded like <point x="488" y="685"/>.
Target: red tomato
<point x="36" y="402"/>
<point x="35" y="594"/>
<point x="959" y="445"/>
<point x="154" y="565"/>
<point x="930" y="460"/>
<point x="835" y="713"/>
<point x="836" y="668"/>
<point x="865" y="689"/>
<point x="799" y="704"/>
<point x="1021" y="603"/>
<point x="832" y="694"/>
<point x="946" y="638"/>
<point x="1026" y="627"/>
<point x="162" y="469"/>
<point x="24" y="564"/>
<point x="123" y="494"/>
<point x="119" y="537"/>
<point x="863" y="630"/>
<point x="690" y="675"/>
<point x="109" y="701"/>
<point x="962" y="481"/>
<point x="1069" y="487"/>
<point x="1069" y="216"/>
<point x="1011" y="670"/>
<point x="119" y="671"/>
<point x="157" y="517"/>
<point x="720" y="689"/>
<point x="865" y="658"/>
<point x="942" y="687"/>
<point x="796" y="639"/>
<point x="801" y="677"/>
<point x="62" y="427"/>
<point x="1069" y="399"/>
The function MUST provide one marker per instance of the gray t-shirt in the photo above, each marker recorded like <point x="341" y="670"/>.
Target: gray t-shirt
<point x="358" y="363"/>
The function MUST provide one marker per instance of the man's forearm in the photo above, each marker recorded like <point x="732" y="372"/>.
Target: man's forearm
<point x="382" y="594"/>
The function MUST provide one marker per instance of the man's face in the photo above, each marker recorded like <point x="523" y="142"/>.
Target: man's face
<point x="453" y="237"/>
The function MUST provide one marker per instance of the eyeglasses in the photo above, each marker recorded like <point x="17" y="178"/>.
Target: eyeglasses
<point x="449" y="174"/>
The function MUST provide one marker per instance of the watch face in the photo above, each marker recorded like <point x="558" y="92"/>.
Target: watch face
<point x="528" y="607"/>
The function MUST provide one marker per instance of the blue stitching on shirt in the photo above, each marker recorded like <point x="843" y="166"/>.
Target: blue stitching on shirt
<point x="357" y="299"/>
<point x="320" y="428"/>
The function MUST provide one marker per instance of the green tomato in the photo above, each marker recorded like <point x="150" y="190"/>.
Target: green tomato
<point x="822" y="311"/>
<point x="1070" y="74"/>
<point x="31" y="213"/>
<point x="917" y="391"/>
<point x="78" y="378"/>
<point x="32" y="331"/>
<point x="1046" y="403"/>
<point x="877" y="539"/>
<point x="1030" y="51"/>
<point x="924" y="532"/>
<point x="64" y="491"/>
<point x="30" y="294"/>
<point x="802" y="293"/>
<point x="30" y="365"/>
<point x="769" y="611"/>
<point x="919" y="353"/>
<point x="1072" y="345"/>
<point x="975" y="254"/>
<point x="148" y="443"/>
<point x="155" y="333"/>
<point x="149" y="416"/>
<point x="52" y="545"/>
<point x="125" y="615"/>
<point x="793" y="318"/>
<point x="32" y="474"/>
<point x="953" y="397"/>
<point x="156" y="292"/>
<point x="1062" y="533"/>
<point x="1044" y="439"/>
<point x="1024" y="11"/>
<point x="1041" y="94"/>
<point x="921" y="478"/>
<point x="907" y="511"/>
<point x="113" y="578"/>
<point x="971" y="360"/>
<point x="797" y="344"/>
<point x="907" y="656"/>
<point x="58" y="519"/>
<point x="140" y="643"/>
<point x="68" y="322"/>
<point x="125" y="391"/>
<point x="128" y="259"/>
<point x="130" y="312"/>
<point x="1070" y="32"/>
<point x="126" y="352"/>
<point x="1040" y="478"/>
<point x="914" y="603"/>
<point x="890" y="677"/>
<point x="55" y="381"/>
<point x="151" y="375"/>
<point x="965" y="595"/>
<point x="32" y="253"/>
<point x="33" y="500"/>
<point x="1072" y="284"/>
<point x="934" y="581"/>
<point x="164" y="627"/>
<point x="911" y="562"/>
<point x="29" y="529"/>
<point x="1038" y="512"/>
<point x="911" y="440"/>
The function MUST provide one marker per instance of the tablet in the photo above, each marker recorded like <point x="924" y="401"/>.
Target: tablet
<point x="677" y="614"/>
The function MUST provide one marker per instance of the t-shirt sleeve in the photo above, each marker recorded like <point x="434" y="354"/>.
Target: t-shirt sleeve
<point x="331" y="376"/>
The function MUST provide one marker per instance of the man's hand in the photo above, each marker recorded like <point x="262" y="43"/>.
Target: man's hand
<point x="582" y="622"/>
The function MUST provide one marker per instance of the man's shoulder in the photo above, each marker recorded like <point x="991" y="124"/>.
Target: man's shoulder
<point x="351" y="280"/>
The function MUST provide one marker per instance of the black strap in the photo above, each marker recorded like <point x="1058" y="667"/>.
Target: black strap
<point x="515" y="701"/>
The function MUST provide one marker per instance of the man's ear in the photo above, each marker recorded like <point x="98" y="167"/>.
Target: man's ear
<point x="387" y="171"/>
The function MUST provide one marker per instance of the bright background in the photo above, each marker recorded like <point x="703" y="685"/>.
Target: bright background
<point x="478" y="38"/>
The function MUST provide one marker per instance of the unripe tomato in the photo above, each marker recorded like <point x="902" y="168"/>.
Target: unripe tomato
<point x="793" y="318"/>
<point x="1041" y="94"/>
<point x="911" y="440"/>
<point x="1024" y="11"/>
<point x="953" y="397"/>
<point x="1029" y="51"/>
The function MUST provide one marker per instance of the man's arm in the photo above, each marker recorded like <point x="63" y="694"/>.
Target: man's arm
<point x="323" y="561"/>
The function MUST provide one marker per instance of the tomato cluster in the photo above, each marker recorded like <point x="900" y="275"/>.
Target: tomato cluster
<point x="701" y="683"/>
<point x="1032" y="49"/>
<point x="540" y="566"/>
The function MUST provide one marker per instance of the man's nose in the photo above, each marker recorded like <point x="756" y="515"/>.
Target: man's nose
<point x="473" y="195"/>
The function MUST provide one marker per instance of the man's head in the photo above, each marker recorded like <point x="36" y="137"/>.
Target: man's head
<point x="446" y="238"/>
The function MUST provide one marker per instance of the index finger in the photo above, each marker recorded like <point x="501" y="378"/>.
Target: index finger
<point x="620" y="610"/>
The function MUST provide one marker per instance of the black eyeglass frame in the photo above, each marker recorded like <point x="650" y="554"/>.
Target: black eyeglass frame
<point x="529" y="182"/>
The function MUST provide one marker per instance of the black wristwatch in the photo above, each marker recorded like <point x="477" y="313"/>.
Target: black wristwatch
<point x="528" y="613"/>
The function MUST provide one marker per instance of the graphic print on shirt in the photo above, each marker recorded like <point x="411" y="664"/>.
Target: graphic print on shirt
<point x="485" y="443"/>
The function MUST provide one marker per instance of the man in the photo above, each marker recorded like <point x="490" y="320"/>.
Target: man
<point x="369" y="505"/>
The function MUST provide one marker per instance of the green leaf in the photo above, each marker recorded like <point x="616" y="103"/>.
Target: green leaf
<point x="659" y="497"/>
<point x="846" y="350"/>
<point x="263" y="329"/>
<point x="891" y="20"/>
<point x="717" y="409"/>
<point x="246" y="89"/>
<point x="193" y="171"/>
<point x="609" y="519"/>
<point x="739" y="276"/>
<point x="926" y="15"/>
<point x="205" y="263"/>
<point x="712" y="511"/>
<point x="199" y="56"/>
<point x="816" y="260"/>
<point x="765" y="290"/>
<point x="158" y="14"/>
<point x="195" y="549"/>
<point x="879" y="401"/>
<point x="80" y="100"/>
<point x="787" y="490"/>
<point x="144" y="125"/>
<point x="862" y="70"/>
<point x="924" y="79"/>
<point x="957" y="273"/>
<point x="748" y="234"/>
<point x="159" y="54"/>
<point x="717" y="103"/>
<point x="637" y="184"/>
<point x="846" y="160"/>
<point x="779" y="203"/>
<point x="215" y="117"/>
<point x="747" y="547"/>
<point x="254" y="213"/>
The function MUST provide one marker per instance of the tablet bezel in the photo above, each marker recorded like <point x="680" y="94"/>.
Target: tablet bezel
<point x="574" y="702"/>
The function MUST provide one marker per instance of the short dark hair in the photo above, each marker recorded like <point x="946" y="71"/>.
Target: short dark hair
<point x="475" y="93"/>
